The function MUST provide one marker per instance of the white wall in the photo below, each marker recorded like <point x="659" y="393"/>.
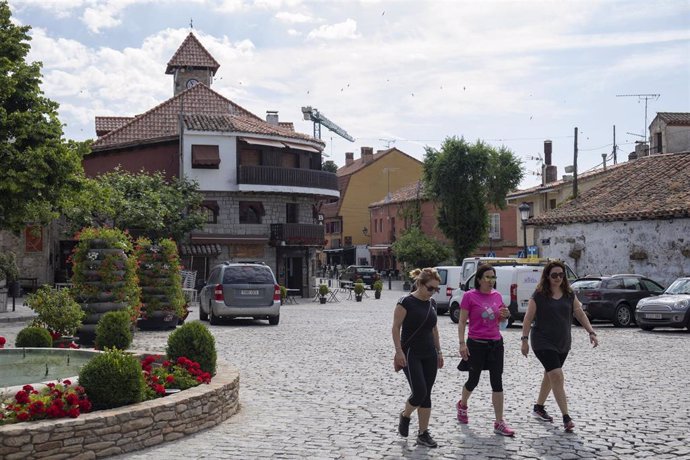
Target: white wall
<point x="225" y="177"/>
<point x="606" y="247"/>
<point x="677" y="139"/>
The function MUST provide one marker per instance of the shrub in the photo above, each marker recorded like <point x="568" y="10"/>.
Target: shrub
<point x="378" y="285"/>
<point x="114" y="330"/>
<point x="56" y="310"/>
<point x="283" y="292"/>
<point x="113" y="379"/>
<point x="195" y="342"/>
<point x="33" y="337"/>
<point x="359" y="288"/>
<point x="323" y="290"/>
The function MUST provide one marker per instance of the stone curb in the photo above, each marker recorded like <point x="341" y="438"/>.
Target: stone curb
<point x="126" y="429"/>
<point x="16" y="319"/>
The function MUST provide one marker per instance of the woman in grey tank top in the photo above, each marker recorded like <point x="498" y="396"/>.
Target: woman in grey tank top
<point x="552" y="308"/>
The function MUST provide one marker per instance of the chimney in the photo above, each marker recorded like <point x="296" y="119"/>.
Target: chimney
<point x="272" y="117"/>
<point x="550" y="171"/>
<point x="547" y="152"/>
<point x="349" y="158"/>
<point x="603" y="157"/>
<point x="367" y="155"/>
<point x="641" y="149"/>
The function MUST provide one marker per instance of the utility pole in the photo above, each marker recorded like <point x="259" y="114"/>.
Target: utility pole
<point x="575" y="166"/>
<point x="646" y="98"/>
<point x="614" y="145"/>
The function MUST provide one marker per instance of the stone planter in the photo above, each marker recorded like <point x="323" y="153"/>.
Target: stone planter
<point x="64" y="341"/>
<point x="377" y="295"/>
<point x="358" y="297"/>
<point x="158" y="320"/>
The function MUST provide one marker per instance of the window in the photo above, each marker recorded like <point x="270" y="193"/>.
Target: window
<point x="552" y="203"/>
<point x="210" y="208"/>
<point x="615" y="283"/>
<point x="248" y="275"/>
<point x="495" y="226"/>
<point x="632" y="284"/>
<point x="250" y="157"/>
<point x="651" y="286"/>
<point x="205" y="156"/>
<point x="34" y="238"/>
<point x="291" y="213"/>
<point x="251" y="212"/>
<point x="658" y="142"/>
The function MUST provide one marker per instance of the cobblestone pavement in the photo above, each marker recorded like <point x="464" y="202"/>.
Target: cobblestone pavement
<point x="321" y="385"/>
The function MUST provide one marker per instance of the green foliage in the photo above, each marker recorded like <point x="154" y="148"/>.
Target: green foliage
<point x="194" y="341"/>
<point x="323" y="290"/>
<point x="33" y="337"/>
<point x="359" y="288"/>
<point x="330" y="166"/>
<point x="146" y="202"/>
<point x="378" y="285"/>
<point x="464" y="179"/>
<point x="8" y="266"/>
<point x="56" y="310"/>
<point x="114" y="330"/>
<point x="417" y="249"/>
<point x="283" y="292"/>
<point x="113" y="379"/>
<point x="40" y="171"/>
<point x="158" y="269"/>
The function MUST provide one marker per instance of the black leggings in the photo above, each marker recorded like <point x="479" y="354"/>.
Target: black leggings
<point x="485" y="354"/>
<point x="421" y="375"/>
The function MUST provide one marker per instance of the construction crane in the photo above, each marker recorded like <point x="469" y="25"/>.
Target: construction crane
<point x="311" y="114"/>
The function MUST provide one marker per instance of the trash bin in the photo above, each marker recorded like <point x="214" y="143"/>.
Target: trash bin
<point x="3" y="300"/>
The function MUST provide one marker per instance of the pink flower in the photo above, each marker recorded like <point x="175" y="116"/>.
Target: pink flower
<point x="3" y="341"/>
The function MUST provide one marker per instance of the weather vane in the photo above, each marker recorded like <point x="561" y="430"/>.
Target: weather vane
<point x="191" y="23"/>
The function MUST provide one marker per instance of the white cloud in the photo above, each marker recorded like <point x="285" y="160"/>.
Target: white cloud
<point x="340" y="31"/>
<point x="293" y="18"/>
<point x="294" y="33"/>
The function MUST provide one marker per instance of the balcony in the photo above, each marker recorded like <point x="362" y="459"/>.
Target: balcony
<point x="289" y="177"/>
<point x="297" y="235"/>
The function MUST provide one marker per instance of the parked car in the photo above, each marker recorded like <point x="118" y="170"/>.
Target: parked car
<point x="670" y="309"/>
<point x="614" y="298"/>
<point x="470" y="265"/>
<point x="450" y="281"/>
<point x="516" y="285"/>
<point x="240" y="290"/>
<point x="354" y="272"/>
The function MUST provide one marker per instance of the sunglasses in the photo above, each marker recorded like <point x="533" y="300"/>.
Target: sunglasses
<point x="555" y="276"/>
<point x="432" y="288"/>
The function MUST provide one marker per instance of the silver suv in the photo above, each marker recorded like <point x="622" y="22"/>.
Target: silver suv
<point x="240" y="290"/>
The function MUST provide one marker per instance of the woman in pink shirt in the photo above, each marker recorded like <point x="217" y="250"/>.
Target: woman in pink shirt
<point x="483" y="307"/>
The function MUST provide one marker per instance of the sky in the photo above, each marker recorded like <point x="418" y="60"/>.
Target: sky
<point x="405" y="74"/>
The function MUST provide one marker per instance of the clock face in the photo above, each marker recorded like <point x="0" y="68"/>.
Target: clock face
<point x="191" y="82"/>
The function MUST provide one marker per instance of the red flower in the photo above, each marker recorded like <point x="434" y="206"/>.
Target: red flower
<point x="28" y="388"/>
<point x="3" y="341"/>
<point x="67" y="382"/>
<point x="22" y="397"/>
<point x="73" y="345"/>
<point x="84" y="405"/>
<point x="55" y="335"/>
<point x="73" y="412"/>
<point x="36" y="407"/>
<point x="72" y="399"/>
<point x="166" y="363"/>
<point x="170" y="378"/>
<point x="23" y="416"/>
<point x="160" y="389"/>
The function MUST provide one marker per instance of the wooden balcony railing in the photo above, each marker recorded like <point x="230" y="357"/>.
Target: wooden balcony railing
<point x="294" y="177"/>
<point x="297" y="234"/>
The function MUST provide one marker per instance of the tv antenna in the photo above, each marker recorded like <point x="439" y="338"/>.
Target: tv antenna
<point x="646" y="98"/>
<point x="388" y="142"/>
<point x="312" y="114"/>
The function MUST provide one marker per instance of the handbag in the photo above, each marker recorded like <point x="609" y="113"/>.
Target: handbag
<point x="397" y="367"/>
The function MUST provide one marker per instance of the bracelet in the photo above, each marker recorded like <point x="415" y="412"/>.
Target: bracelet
<point x="593" y="334"/>
<point x="524" y="337"/>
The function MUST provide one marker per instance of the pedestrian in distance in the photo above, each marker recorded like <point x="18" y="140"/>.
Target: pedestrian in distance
<point x="484" y="308"/>
<point x="552" y="308"/>
<point x="418" y="350"/>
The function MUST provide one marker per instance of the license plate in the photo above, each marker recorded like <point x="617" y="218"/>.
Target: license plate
<point x="249" y="292"/>
<point x="652" y="315"/>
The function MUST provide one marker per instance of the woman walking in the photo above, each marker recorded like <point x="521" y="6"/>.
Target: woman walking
<point x="552" y="308"/>
<point x="484" y="308"/>
<point x="418" y="350"/>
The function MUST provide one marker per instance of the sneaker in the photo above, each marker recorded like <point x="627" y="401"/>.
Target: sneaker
<point x="503" y="429"/>
<point x="568" y="426"/>
<point x="462" y="413"/>
<point x="540" y="413"/>
<point x="425" y="439"/>
<point x="404" y="425"/>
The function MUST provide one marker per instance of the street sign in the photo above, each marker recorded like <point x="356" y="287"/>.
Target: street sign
<point x="521" y="254"/>
<point x="532" y="251"/>
<point x="490" y="254"/>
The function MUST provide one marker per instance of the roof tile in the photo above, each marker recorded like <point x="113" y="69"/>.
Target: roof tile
<point x="191" y="53"/>
<point x="675" y="118"/>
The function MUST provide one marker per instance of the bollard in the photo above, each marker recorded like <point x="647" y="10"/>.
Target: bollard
<point x="390" y="278"/>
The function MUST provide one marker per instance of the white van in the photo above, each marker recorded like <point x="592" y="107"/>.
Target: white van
<point x="470" y="265"/>
<point x="515" y="283"/>
<point x="450" y="281"/>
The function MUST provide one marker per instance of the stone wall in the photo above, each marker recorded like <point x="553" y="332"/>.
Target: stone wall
<point x="126" y="429"/>
<point x="658" y="249"/>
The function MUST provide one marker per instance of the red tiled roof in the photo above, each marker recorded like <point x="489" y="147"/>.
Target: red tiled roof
<point x="675" y="118"/>
<point x="409" y="192"/>
<point x="243" y="124"/>
<point x="330" y="210"/>
<point x="287" y="125"/>
<point x="191" y="53"/>
<point x="358" y="164"/>
<point x="653" y="187"/>
<point x="105" y="124"/>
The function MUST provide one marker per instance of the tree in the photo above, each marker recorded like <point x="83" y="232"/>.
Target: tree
<point x="464" y="179"/>
<point x="38" y="168"/>
<point x="329" y="166"/>
<point x="144" y="203"/>
<point x="416" y="249"/>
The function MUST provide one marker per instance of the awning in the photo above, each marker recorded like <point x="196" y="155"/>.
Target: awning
<point x="266" y="142"/>
<point x="200" y="250"/>
<point x="205" y="156"/>
<point x="306" y="148"/>
<point x="224" y="238"/>
<point x="379" y="248"/>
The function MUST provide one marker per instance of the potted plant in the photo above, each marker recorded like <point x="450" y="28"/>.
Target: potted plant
<point x="57" y="312"/>
<point x="323" y="292"/>
<point x="378" y="286"/>
<point x="283" y="294"/>
<point x="359" y="290"/>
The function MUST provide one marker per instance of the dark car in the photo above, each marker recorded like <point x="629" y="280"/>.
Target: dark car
<point x="614" y="298"/>
<point x="240" y="290"/>
<point x="354" y="272"/>
<point x="670" y="309"/>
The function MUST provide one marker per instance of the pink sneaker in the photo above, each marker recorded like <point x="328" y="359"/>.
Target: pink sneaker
<point x="503" y="429"/>
<point x="462" y="413"/>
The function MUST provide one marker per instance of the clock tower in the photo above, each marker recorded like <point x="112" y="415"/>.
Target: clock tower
<point x="191" y="64"/>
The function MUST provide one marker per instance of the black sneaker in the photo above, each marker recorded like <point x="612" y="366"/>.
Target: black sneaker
<point x="404" y="425"/>
<point x="425" y="439"/>
<point x="540" y="413"/>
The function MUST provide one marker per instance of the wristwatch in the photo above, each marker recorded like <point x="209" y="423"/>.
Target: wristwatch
<point x="524" y="337"/>
<point x="593" y="334"/>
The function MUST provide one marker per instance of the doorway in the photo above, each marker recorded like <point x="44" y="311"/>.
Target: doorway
<point x="293" y="271"/>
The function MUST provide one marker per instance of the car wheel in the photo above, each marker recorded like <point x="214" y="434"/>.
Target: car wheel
<point x="274" y="320"/>
<point x="623" y="316"/>
<point x="647" y="328"/>
<point x="202" y="315"/>
<point x="213" y="319"/>
<point x="454" y="312"/>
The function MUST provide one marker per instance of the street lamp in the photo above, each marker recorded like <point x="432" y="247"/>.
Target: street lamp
<point x="524" y="215"/>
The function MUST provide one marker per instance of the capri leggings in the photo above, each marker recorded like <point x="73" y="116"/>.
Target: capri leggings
<point x="485" y="354"/>
<point x="421" y="375"/>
